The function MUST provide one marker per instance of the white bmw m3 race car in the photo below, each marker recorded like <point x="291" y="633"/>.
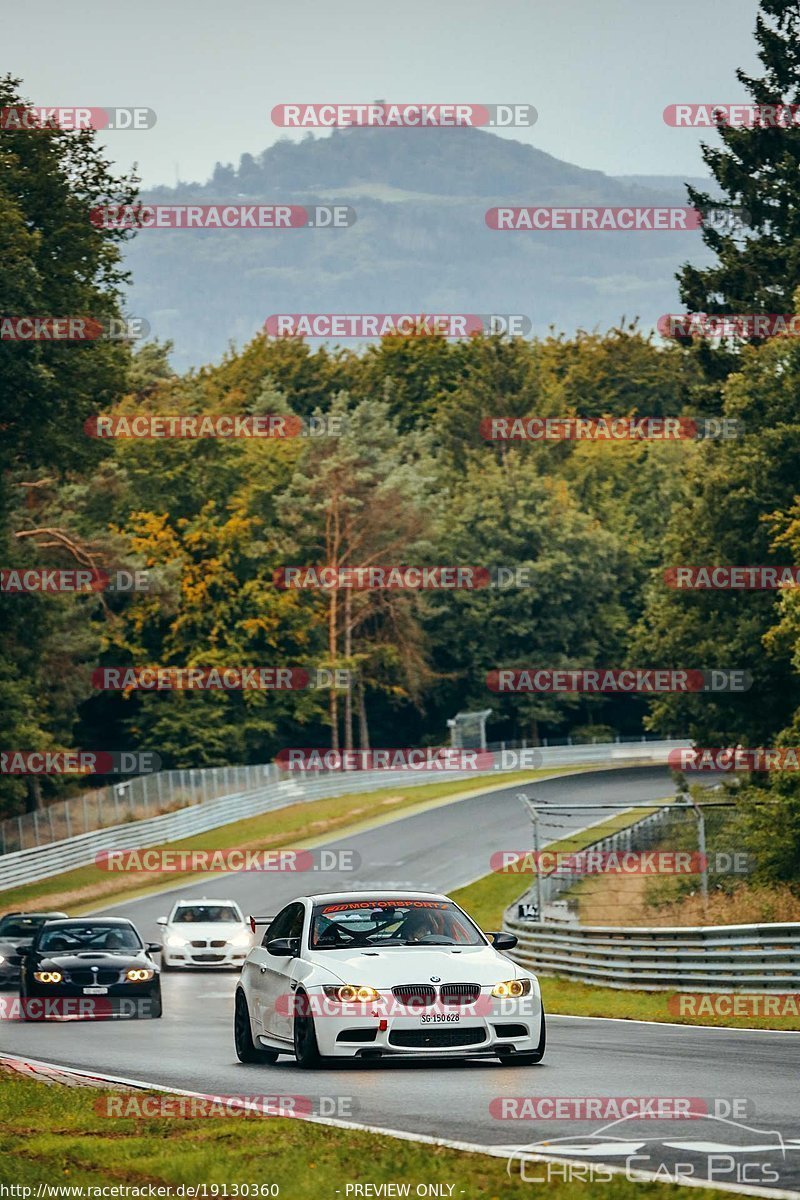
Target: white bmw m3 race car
<point x="368" y="975"/>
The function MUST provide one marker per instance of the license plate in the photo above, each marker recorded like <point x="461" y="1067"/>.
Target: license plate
<point x="95" y="991"/>
<point x="440" y="1019"/>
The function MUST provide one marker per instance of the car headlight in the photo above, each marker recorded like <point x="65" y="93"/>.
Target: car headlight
<point x="512" y="988"/>
<point x="48" y="976"/>
<point x="139" y="974"/>
<point x="242" y="938"/>
<point x="351" y="993"/>
<point x="176" y="939"/>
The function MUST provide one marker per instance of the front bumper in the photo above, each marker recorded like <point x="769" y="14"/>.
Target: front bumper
<point x="493" y="1026"/>
<point x="226" y="957"/>
<point x="73" y="1002"/>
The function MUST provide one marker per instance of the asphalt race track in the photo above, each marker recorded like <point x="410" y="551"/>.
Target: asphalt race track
<point x="191" y="1047"/>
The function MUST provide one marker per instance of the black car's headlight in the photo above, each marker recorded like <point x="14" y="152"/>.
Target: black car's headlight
<point x="48" y="976"/>
<point x="139" y="975"/>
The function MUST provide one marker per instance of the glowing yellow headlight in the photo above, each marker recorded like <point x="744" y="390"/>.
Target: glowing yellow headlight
<point x="138" y="974"/>
<point x="512" y="988"/>
<point x="48" y="976"/>
<point x="352" y="993"/>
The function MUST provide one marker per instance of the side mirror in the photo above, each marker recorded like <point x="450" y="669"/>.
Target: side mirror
<point x="283" y="947"/>
<point x="504" y="941"/>
<point x="161" y="921"/>
<point x="153" y="947"/>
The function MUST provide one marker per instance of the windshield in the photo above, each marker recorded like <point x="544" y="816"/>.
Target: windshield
<point x="70" y="939"/>
<point x="197" y="914"/>
<point x="23" y="927"/>
<point x="391" y="923"/>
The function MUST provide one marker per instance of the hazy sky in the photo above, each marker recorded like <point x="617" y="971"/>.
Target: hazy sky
<point x="600" y="72"/>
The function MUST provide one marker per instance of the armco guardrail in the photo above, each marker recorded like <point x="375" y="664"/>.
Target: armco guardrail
<point x="40" y="862"/>
<point x="704" y="958"/>
<point x="707" y="958"/>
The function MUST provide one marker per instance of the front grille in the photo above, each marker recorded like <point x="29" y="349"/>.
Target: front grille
<point x="208" y="957"/>
<point x="459" y="993"/>
<point x="199" y="945"/>
<point x="85" y="978"/>
<point x="415" y="995"/>
<point x="436" y="1039"/>
<point x="218" y="945"/>
<point x="515" y="1031"/>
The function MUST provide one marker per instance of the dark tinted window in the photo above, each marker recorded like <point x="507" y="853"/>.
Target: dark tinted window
<point x="22" y="927"/>
<point x="69" y="939"/>
<point x="288" y="923"/>
<point x="391" y="923"/>
<point x="189" y="914"/>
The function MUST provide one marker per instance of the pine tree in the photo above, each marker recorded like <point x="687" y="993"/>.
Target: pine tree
<point x="758" y="169"/>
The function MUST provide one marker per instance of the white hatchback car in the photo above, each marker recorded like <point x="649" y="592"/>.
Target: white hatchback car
<point x="205" y="933"/>
<point x="367" y="975"/>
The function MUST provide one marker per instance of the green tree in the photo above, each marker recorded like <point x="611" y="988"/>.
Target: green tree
<point x="758" y="170"/>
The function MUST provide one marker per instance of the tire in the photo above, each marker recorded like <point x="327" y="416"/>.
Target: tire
<point x="23" y="1005"/>
<point x="166" y="966"/>
<point x="246" y="1049"/>
<point x="156" y="1006"/>
<point x="306" y="1049"/>
<point x="527" y="1060"/>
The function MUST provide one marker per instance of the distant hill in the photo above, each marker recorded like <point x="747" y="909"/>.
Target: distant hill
<point x="420" y="243"/>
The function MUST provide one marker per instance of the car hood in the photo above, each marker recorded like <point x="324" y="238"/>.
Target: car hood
<point x="388" y="968"/>
<point x="206" y="931"/>
<point x="94" y="958"/>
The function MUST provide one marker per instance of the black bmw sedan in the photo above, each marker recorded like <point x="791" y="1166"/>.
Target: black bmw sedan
<point x="87" y="968"/>
<point x="17" y="932"/>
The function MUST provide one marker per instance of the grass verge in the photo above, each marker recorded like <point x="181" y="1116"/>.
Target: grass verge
<point x="84" y="888"/>
<point x="487" y="898"/>
<point x="51" y="1134"/>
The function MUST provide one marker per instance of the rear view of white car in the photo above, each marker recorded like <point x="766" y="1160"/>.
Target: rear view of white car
<point x="205" y="933"/>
